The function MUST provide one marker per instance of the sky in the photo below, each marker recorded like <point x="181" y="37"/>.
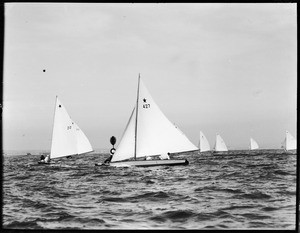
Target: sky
<point x="227" y="68"/>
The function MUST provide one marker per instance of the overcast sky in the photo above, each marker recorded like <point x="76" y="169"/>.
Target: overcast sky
<point x="220" y="68"/>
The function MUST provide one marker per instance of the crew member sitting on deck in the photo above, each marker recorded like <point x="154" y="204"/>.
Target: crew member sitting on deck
<point x="47" y="159"/>
<point x="112" y="151"/>
<point x="42" y="158"/>
<point x="164" y="156"/>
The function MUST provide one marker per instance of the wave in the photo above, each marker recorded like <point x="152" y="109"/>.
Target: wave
<point x="254" y="195"/>
<point x="22" y="225"/>
<point x="218" y="189"/>
<point x="212" y="192"/>
<point x="175" y="216"/>
<point x="255" y="216"/>
<point x="219" y="214"/>
<point x="234" y="207"/>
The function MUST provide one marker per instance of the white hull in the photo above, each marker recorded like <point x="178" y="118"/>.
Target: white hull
<point x="147" y="163"/>
<point x="206" y="152"/>
<point x="220" y="153"/>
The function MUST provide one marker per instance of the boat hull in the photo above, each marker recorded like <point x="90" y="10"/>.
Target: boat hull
<point x="44" y="163"/>
<point x="216" y="153"/>
<point x="292" y="152"/>
<point x="148" y="163"/>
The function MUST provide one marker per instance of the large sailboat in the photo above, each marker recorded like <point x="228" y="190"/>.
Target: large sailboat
<point x="203" y="143"/>
<point x="67" y="138"/>
<point x="289" y="143"/>
<point x="149" y="134"/>
<point x="220" y="146"/>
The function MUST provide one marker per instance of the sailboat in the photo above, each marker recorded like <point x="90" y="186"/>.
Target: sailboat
<point x="67" y="138"/>
<point x="220" y="146"/>
<point x="149" y="134"/>
<point x="203" y="143"/>
<point x="253" y="144"/>
<point x="289" y="143"/>
<point x="253" y="147"/>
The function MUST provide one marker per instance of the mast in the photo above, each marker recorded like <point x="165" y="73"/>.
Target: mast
<point x="53" y="125"/>
<point x="136" y="117"/>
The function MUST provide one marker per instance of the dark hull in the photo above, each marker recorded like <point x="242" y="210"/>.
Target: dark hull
<point x="43" y="163"/>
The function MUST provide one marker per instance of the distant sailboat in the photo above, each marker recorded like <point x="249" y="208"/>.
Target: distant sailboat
<point x="203" y="143"/>
<point x="253" y="144"/>
<point x="289" y="143"/>
<point x="253" y="147"/>
<point x="220" y="145"/>
<point x="149" y="133"/>
<point x="67" y="138"/>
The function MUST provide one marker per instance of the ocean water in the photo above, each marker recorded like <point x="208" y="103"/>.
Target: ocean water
<point x="233" y="191"/>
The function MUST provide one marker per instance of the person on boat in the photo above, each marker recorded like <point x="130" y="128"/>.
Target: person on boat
<point x="42" y="158"/>
<point x="112" y="151"/>
<point x="164" y="156"/>
<point x="47" y="159"/>
<point x="148" y="158"/>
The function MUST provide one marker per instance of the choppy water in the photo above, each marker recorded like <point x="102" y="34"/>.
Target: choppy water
<point x="213" y="192"/>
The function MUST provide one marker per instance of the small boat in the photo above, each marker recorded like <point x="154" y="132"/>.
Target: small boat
<point x="220" y="147"/>
<point x="67" y="138"/>
<point x="253" y="144"/>
<point x="253" y="147"/>
<point x="290" y="143"/>
<point x="203" y="143"/>
<point x="149" y="134"/>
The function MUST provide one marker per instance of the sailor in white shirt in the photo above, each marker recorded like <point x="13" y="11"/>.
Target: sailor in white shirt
<point x="164" y="156"/>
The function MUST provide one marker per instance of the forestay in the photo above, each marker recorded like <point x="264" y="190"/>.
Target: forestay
<point x="155" y="134"/>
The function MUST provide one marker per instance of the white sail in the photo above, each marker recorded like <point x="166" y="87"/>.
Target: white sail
<point x="289" y="143"/>
<point x="155" y="134"/>
<point x="83" y="144"/>
<point x="67" y="138"/>
<point x="220" y="144"/>
<point x="203" y="143"/>
<point x="125" y="148"/>
<point x="253" y="144"/>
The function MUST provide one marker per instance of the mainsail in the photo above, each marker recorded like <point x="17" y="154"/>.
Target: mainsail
<point x="67" y="137"/>
<point x="203" y="143"/>
<point x="253" y="144"/>
<point x="149" y="132"/>
<point x="220" y="144"/>
<point x="289" y="143"/>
